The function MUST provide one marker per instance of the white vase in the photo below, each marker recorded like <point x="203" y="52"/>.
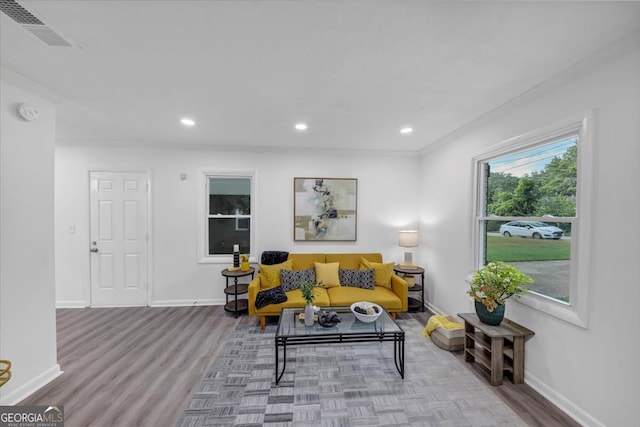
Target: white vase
<point x="308" y="315"/>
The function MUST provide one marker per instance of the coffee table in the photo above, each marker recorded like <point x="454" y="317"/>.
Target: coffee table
<point x="292" y="331"/>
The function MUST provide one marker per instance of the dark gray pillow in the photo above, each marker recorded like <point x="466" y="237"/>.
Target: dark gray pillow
<point x="270" y="296"/>
<point x="357" y="278"/>
<point x="291" y="279"/>
<point x="273" y="257"/>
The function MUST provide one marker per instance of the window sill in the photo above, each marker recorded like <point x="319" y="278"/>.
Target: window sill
<point x="555" y="308"/>
<point x="221" y="259"/>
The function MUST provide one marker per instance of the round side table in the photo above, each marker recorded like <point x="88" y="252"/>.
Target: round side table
<point x="413" y="303"/>
<point x="236" y="306"/>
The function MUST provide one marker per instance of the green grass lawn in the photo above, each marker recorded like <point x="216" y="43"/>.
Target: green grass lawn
<point x="512" y="249"/>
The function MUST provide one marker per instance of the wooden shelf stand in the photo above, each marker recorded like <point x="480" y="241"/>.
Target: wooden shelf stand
<point x="499" y="348"/>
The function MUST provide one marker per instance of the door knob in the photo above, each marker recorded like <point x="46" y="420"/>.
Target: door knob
<point x="94" y="249"/>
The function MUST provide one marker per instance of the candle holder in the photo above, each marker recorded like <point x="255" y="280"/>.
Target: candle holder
<point x="236" y="256"/>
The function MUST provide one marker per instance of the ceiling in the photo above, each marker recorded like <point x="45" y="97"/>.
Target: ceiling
<point x="246" y="71"/>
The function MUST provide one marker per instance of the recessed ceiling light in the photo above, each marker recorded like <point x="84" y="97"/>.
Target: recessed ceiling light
<point x="406" y="130"/>
<point x="301" y="126"/>
<point x="187" y="122"/>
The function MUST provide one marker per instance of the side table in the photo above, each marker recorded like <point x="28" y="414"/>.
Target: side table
<point x="236" y="306"/>
<point x="414" y="303"/>
<point x="499" y="348"/>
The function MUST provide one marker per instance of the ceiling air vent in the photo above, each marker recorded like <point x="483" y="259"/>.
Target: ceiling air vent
<point x="34" y="25"/>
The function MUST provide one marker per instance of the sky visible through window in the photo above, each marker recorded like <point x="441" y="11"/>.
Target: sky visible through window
<point x="530" y="161"/>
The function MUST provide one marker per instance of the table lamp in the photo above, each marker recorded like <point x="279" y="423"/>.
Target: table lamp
<point x="408" y="239"/>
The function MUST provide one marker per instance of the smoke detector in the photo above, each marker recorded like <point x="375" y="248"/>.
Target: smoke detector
<point x="28" y="112"/>
<point x="34" y="24"/>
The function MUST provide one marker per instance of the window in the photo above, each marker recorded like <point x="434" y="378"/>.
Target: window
<point x="226" y="210"/>
<point x="531" y="212"/>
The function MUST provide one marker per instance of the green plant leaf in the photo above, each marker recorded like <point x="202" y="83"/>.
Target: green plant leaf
<point x="492" y="284"/>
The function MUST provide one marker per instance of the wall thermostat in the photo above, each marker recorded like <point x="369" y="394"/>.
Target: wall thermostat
<point x="28" y="112"/>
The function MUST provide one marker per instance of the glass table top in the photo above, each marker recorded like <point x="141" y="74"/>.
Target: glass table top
<point x="291" y="325"/>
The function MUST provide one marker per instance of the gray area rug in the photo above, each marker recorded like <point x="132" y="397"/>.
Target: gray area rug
<point x="342" y="385"/>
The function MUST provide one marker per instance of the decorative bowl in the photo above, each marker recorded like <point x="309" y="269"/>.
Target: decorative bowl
<point x="365" y="305"/>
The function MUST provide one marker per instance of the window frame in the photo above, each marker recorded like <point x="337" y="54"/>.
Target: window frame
<point x="576" y="311"/>
<point x="203" y="214"/>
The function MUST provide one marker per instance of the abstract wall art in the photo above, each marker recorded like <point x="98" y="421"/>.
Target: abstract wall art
<point x="325" y="209"/>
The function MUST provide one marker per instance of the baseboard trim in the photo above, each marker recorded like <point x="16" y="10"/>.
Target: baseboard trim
<point x="432" y="308"/>
<point x="187" y="303"/>
<point x="561" y="402"/>
<point x="158" y="303"/>
<point x="24" y="391"/>
<point x="72" y="304"/>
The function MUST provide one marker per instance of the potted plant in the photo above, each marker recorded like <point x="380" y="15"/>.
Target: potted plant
<point x="491" y="285"/>
<point x="307" y="288"/>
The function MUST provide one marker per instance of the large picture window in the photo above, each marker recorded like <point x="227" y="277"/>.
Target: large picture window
<point x="529" y="212"/>
<point x="227" y="212"/>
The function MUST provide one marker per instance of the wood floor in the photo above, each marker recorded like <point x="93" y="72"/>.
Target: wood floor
<point x="139" y="366"/>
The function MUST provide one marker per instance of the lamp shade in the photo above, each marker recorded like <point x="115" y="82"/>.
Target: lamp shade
<point x="408" y="238"/>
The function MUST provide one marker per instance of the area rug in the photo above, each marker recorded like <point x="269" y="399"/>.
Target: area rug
<point x="342" y="385"/>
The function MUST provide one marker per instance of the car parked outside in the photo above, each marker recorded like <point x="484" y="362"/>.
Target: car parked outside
<point x="533" y="229"/>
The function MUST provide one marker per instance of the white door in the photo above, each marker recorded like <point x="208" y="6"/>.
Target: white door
<point x="119" y="239"/>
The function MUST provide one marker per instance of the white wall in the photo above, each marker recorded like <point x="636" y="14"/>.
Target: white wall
<point x="27" y="299"/>
<point x="592" y="373"/>
<point x="387" y="201"/>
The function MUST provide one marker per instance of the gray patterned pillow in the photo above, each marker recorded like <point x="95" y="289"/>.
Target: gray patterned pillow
<point x="357" y="278"/>
<point x="291" y="279"/>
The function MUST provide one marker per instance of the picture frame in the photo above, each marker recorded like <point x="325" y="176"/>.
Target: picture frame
<point x="325" y="209"/>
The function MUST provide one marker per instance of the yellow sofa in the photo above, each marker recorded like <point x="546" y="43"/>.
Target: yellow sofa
<point x="394" y="300"/>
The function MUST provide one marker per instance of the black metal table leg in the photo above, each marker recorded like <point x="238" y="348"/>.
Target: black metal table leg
<point x="235" y="282"/>
<point x="398" y="354"/>
<point x="284" y="361"/>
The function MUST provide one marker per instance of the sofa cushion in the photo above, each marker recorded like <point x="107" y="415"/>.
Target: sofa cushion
<point x="357" y="278"/>
<point x="353" y="261"/>
<point x="344" y="296"/>
<point x="295" y="300"/>
<point x="327" y="274"/>
<point x="383" y="272"/>
<point x="270" y="296"/>
<point x="304" y="261"/>
<point x="270" y="274"/>
<point x="292" y="279"/>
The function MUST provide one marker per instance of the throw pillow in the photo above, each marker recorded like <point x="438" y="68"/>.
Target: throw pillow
<point x="327" y="274"/>
<point x="357" y="278"/>
<point x="270" y="296"/>
<point x="292" y="279"/>
<point x="273" y="257"/>
<point x="270" y="274"/>
<point x="383" y="272"/>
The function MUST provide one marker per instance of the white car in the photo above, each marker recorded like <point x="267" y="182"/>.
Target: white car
<point x="533" y="229"/>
